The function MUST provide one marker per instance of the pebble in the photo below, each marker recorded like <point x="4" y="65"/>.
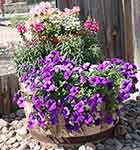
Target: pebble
<point x="22" y="132"/>
<point x="3" y="123"/>
<point x="3" y="138"/>
<point x="11" y="134"/>
<point x="127" y="148"/>
<point x="24" y="147"/>
<point x="136" y="137"/>
<point x="20" y="113"/>
<point x="4" y="130"/>
<point x="11" y="141"/>
<point x="128" y="136"/>
<point x="118" y="144"/>
<point x="100" y="147"/>
<point x="88" y="146"/>
<point x="37" y="147"/>
<point x="15" y="145"/>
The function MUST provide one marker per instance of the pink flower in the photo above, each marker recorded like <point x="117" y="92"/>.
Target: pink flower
<point x="88" y="24"/>
<point x="41" y="8"/>
<point x="38" y="27"/>
<point x="21" y="28"/>
<point x="67" y="10"/>
<point x="31" y="21"/>
<point x="76" y="9"/>
<point x="95" y="27"/>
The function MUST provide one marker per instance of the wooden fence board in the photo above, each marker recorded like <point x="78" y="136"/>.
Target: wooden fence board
<point x="136" y="30"/>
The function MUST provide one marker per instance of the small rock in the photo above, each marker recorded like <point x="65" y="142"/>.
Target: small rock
<point x="128" y="137"/>
<point x="134" y="146"/>
<point x="100" y="147"/>
<point x="138" y="98"/>
<point x="14" y="123"/>
<point x="24" y="147"/>
<point x="11" y="141"/>
<point x="87" y="146"/>
<point x="4" y="130"/>
<point x="118" y="144"/>
<point x="4" y="138"/>
<point x="90" y="146"/>
<point x="127" y="148"/>
<point x="136" y="137"/>
<point x="137" y="132"/>
<point x="83" y="147"/>
<point x="5" y="147"/>
<point x="20" y="113"/>
<point x="22" y="132"/>
<point x="60" y="148"/>
<point x="11" y="134"/>
<point x="3" y="123"/>
<point x="129" y="129"/>
<point x="109" y="142"/>
<point x="133" y="124"/>
<point x="19" y="138"/>
<point x="109" y="147"/>
<point x="19" y="125"/>
<point x="31" y="145"/>
<point x="37" y="147"/>
<point x="11" y="128"/>
<point x="15" y="145"/>
<point x="12" y="115"/>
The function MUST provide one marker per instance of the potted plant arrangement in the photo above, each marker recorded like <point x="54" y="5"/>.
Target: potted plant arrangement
<point x="66" y="90"/>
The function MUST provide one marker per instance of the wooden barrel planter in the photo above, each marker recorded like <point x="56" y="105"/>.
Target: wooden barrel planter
<point x="8" y="85"/>
<point x="87" y="134"/>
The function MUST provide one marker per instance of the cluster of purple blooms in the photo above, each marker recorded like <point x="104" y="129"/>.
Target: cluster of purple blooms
<point x="75" y="92"/>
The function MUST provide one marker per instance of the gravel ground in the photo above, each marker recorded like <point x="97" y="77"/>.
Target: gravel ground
<point x="14" y="136"/>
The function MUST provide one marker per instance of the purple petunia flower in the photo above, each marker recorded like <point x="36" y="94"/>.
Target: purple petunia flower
<point x="37" y="102"/>
<point x="73" y="91"/>
<point x="117" y="60"/>
<point x="77" y="70"/>
<point x="94" y="80"/>
<point x="42" y="113"/>
<point x="101" y="67"/>
<point x="83" y="79"/>
<point x="66" y="112"/>
<point x="72" y="127"/>
<point x="77" y="117"/>
<point x="40" y="123"/>
<point x="108" y="119"/>
<point x="86" y="66"/>
<point x="79" y="107"/>
<point x="31" y="120"/>
<point x="53" y="120"/>
<point x="51" y="105"/>
<point x="20" y="102"/>
<point x="67" y="74"/>
<point x="88" y="119"/>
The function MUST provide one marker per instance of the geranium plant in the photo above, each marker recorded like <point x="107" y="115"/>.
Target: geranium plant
<point x="50" y="28"/>
<point x="83" y="95"/>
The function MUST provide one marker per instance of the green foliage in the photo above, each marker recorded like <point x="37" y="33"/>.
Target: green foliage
<point x="25" y="55"/>
<point x="80" y="49"/>
<point x="18" y="19"/>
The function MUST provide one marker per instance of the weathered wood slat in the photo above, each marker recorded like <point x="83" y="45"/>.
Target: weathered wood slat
<point x="8" y="86"/>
